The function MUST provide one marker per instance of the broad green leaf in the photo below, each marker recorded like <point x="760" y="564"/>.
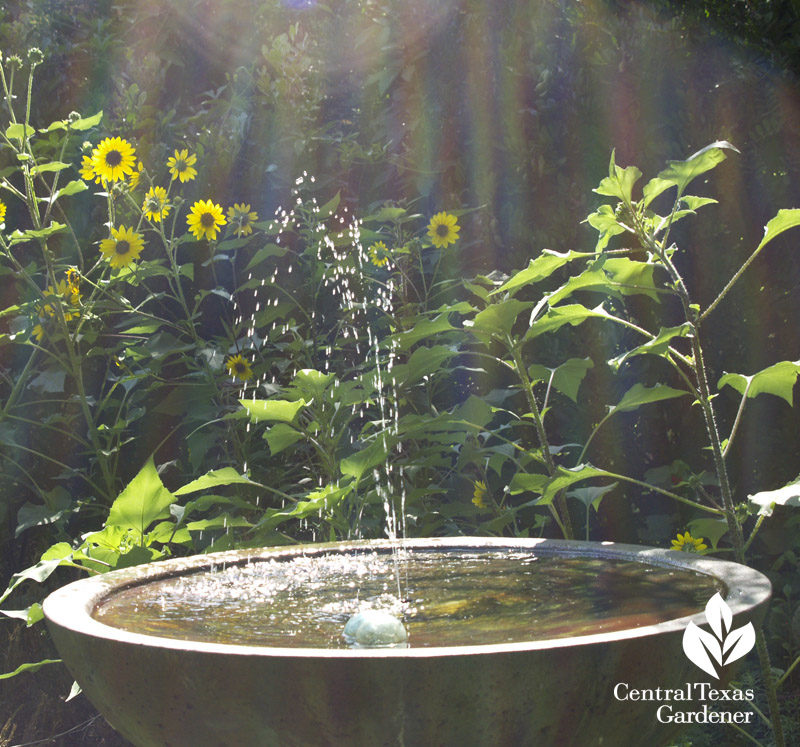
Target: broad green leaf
<point x="46" y="167"/>
<point x="538" y="269"/>
<point x="619" y="182"/>
<point x="86" y="123"/>
<point x="497" y="320"/>
<point x="223" y="521"/>
<point x="784" y="220"/>
<point x="423" y="361"/>
<point x="39" y="572"/>
<point x="144" y="500"/>
<point x="30" y="615"/>
<point x="566" y="378"/>
<point x="639" y="395"/>
<point x="527" y="482"/>
<point x="422" y="330"/>
<point x="710" y="529"/>
<point x="606" y="223"/>
<point x="680" y="173"/>
<point x="20" y="236"/>
<point x="385" y="214"/>
<point x="18" y="131"/>
<point x="695" y="203"/>
<point x="30" y="667"/>
<point x="659" y="345"/>
<point x="224" y="476"/>
<point x="316" y="503"/>
<point x="778" y="379"/>
<point x="330" y="207"/>
<point x="76" y="186"/>
<point x="564" y="478"/>
<point x="270" y="250"/>
<point x="591" y="496"/>
<point x="312" y="383"/>
<point x="281" y="436"/>
<point x="558" y="316"/>
<point x="281" y="411"/>
<point x="654" y="188"/>
<point x="372" y="456"/>
<point x="631" y="277"/>
<point x="765" y="501"/>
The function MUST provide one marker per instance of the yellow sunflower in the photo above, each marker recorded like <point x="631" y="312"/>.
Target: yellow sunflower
<point x="687" y="543"/>
<point x="155" y="204"/>
<point x="133" y="179"/>
<point x="2" y="211"/>
<point x="205" y="218"/>
<point x="238" y="367"/>
<point x="123" y="248"/>
<point x="379" y="254"/>
<point x="479" y="494"/>
<point x="113" y="159"/>
<point x="240" y="216"/>
<point x="87" y="170"/>
<point x="443" y="230"/>
<point x="180" y="165"/>
<point x="65" y="292"/>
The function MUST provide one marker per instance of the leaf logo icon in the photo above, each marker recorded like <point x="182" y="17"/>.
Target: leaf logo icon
<point x="711" y="651"/>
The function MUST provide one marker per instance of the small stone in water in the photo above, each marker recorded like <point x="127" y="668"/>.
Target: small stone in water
<point x="374" y="628"/>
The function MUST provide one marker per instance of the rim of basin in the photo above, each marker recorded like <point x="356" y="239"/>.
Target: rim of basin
<point x="71" y="606"/>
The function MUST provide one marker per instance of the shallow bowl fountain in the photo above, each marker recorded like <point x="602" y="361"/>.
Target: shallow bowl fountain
<point x="509" y="642"/>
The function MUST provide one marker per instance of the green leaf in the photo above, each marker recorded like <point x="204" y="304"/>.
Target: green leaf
<point x="566" y="378"/>
<point x="18" y="131"/>
<point x="784" y="220"/>
<point x="591" y="496"/>
<point x="605" y="222"/>
<point x="778" y="379"/>
<point x="20" y="236"/>
<point x="144" y="500"/>
<point x="681" y="173"/>
<point x="564" y="478"/>
<point x="372" y="456"/>
<point x="654" y="188"/>
<point x="38" y="573"/>
<point x="87" y="123"/>
<point x="619" y="182"/>
<point x="497" y="320"/>
<point x="633" y="277"/>
<point x="659" y="345"/>
<point x="270" y="250"/>
<point x="422" y="362"/>
<point x="313" y="383"/>
<point x="280" y="437"/>
<point x="711" y="529"/>
<point x="422" y="330"/>
<point x="330" y="207"/>
<point x="385" y="214"/>
<point x="538" y="269"/>
<point x="765" y="501"/>
<point x="46" y="167"/>
<point x="29" y="667"/>
<point x="527" y="482"/>
<point x="318" y="501"/>
<point x="76" y="186"/>
<point x="224" y="476"/>
<point x="558" y="316"/>
<point x="639" y="395"/>
<point x="695" y="203"/>
<point x="282" y="411"/>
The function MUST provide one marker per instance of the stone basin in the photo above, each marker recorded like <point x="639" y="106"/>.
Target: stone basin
<point x="560" y="691"/>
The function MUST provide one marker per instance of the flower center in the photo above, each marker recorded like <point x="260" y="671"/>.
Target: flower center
<point x="113" y="158"/>
<point x="123" y="247"/>
<point x="206" y="220"/>
<point x="442" y="230"/>
<point x="180" y="166"/>
<point x="240" y="367"/>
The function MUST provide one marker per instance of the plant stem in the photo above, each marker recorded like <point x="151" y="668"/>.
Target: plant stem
<point x="561" y="512"/>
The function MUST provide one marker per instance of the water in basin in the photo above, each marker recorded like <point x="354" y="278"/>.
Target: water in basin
<point x="449" y="598"/>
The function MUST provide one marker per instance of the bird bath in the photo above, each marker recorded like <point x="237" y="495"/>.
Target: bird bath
<point x="509" y="642"/>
